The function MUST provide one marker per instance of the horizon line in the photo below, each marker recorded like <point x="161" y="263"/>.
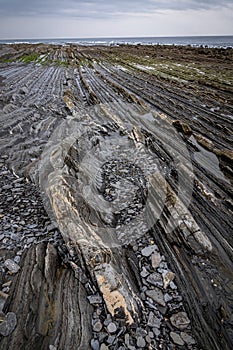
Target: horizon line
<point x="121" y="37"/>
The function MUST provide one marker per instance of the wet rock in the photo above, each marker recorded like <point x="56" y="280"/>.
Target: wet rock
<point x="104" y="347"/>
<point x="95" y="299"/>
<point x="167" y="278"/>
<point x="95" y="345"/>
<point x="156" y="331"/>
<point x="157" y="295"/>
<point x="172" y="285"/>
<point x="155" y="260"/>
<point x="52" y="347"/>
<point x="153" y="320"/>
<point x="180" y="320"/>
<point x="141" y="332"/>
<point x="187" y="338"/>
<point x="155" y="279"/>
<point x="176" y="338"/>
<point x="17" y="259"/>
<point x="141" y="343"/>
<point x="144" y="273"/>
<point x="11" y="266"/>
<point x="111" y="339"/>
<point x="167" y="297"/>
<point x="9" y="324"/>
<point x="182" y="127"/>
<point x="147" y="251"/>
<point x="112" y="328"/>
<point x="97" y="326"/>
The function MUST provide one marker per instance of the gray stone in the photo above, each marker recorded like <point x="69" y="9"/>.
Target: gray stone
<point x="172" y="285"/>
<point x="167" y="297"/>
<point x="6" y="187"/>
<point x="141" y="332"/>
<point x="144" y="273"/>
<point x="95" y="299"/>
<point x="52" y="347"/>
<point x="157" y="295"/>
<point x="11" y="266"/>
<point x="156" y="331"/>
<point x="17" y="259"/>
<point x="112" y="328"/>
<point x="176" y="338"/>
<point x="187" y="338"/>
<point x="147" y="251"/>
<point x="97" y="326"/>
<point x="153" y="320"/>
<point x="180" y="320"/>
<point x="155" y="279"/>
<point x="155" y="260"/>
<point x="95" y="344"/>
<point x="111" y="339"/>
<point x="167" y="278"/>
<point x="104" y="347"/>
<point x="8" y="325"/>
<point x="30" y="240"/>
<point x="141" y="343"/>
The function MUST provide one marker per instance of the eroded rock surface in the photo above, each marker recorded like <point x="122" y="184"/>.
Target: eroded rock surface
<point x="129" y="151"/>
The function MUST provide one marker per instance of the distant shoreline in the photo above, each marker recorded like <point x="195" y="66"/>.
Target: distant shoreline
<point x="221" y="41"/>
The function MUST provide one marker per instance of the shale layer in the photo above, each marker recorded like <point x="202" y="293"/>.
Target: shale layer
<point x="116" y="197"/>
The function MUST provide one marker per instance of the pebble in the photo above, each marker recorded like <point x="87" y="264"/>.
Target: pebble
<point x="95" y="345"/>
<point x="11" y="266"/>
<point x="180" y="320"/>
<point x="176" y="338"/>
<point x="155" y="260"/>
<point x="52" y="347"/>
<point x="156" y="331"/>
<point x="155" y="279"/>
<point x="17" y="259"/>
<point x="157" y="295"/>
<point x="141" y="343"/>
<point x="187" y="338"/>
<point x="112" y="328"/>
<point x="104" y="347"/>
<point x="141" y="332"/>
<point x="147" y="251"/>
<point x="95" y="299"/>
<point x="97" y="326"/>
<point x="167" y="297"/>
<point x="167" y="278"/>
<point x="153" y="320"/>
<point x="144" y="273"/>
<point x="111" y="339"/>
<point x="9" y="324"/>
<point x="172" y="285"/>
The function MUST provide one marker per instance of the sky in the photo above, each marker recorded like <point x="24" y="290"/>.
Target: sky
<point x="32" y="19"/>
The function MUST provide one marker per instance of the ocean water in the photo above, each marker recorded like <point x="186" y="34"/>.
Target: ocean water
<point x="209" y="41"/>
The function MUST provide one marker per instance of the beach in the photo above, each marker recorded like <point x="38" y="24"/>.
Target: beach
<point x="116" y="197"/>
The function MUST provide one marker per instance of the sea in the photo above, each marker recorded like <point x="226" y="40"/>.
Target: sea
<point x="198" y="41"/>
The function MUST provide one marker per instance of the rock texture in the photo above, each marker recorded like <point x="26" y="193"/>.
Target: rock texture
<point x="116" y="197"/>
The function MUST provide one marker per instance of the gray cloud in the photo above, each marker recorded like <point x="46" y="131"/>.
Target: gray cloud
<point x="100" y="8"/>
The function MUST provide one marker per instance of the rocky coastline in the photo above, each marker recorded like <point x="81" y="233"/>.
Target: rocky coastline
<point x="116" y="197"/>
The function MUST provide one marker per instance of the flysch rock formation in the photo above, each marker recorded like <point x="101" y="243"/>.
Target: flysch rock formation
<point x="116" y="197"/>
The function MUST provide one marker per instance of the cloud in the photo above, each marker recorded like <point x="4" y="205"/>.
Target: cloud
<point x="101" y="8"/>
<point x="100" y="18"/>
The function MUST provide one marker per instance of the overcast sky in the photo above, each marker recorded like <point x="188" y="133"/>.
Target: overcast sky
<point x="21" y="19"/>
